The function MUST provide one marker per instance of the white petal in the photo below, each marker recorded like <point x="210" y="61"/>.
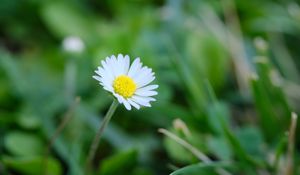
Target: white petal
<point x="120" y="57"/>
<point x="144" y="77"/>
<point x="120" y="65"/>
<point x="148" y="88"/>
<point x="100" y="71"/>
<point x="126" y="104"/>
<point x="149" y="98"/>
<point x="119" y="98"/>
<point x="135" y="67"/>
<point x="107" y="69"/>
<point x="97" y="78"/>
<point x="123" y="100"/>
<point x="144" y="71"/>
<point x="145" y="93"/>
<point x="126" y="64"/>
<point x="108" y="88"/>
<point x="142" y="101"/>
<point x="104" y="81"/>
<point x="112" y="65"/>
<point x="133" y="104"/>
<point x="145" y="81"/>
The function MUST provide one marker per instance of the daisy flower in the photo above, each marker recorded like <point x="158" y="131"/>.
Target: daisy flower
<point x="73" y="44"/>
<point x="129" y="84"/>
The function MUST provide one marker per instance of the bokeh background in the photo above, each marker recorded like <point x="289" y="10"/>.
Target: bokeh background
<point x="228" y="75"/>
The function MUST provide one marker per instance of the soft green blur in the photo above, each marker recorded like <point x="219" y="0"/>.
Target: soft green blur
<point x="228" y="75"/>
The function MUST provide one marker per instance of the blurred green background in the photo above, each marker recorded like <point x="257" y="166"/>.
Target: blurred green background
<point x="228" y="75"/>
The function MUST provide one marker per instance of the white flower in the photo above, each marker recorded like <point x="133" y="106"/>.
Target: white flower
<point x="73" y="44"/>
<point x="129" y="84"/>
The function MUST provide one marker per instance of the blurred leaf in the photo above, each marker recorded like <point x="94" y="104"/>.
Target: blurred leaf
<point x="270" y="101"/>
<point x="207" y="57"/>
<point x="117" y="137"/>
<point x="119" y="163"/>
<point x="199" y="169"/>
<point x="194" y="88"/>
<point x="280" y="151"/>
<point x="251" y="140"/>
<point x="28" y="120"/>
<point x="141" y="171"/>
<point x="224" y="129"/>
<point x="240" y="152"/>
<point x="219" y="147"/>
<point x="13" y="72"/>
<point x="32" y="165"/>
<point x="23" y="144"/>
<point x="5" y="93"/>
<point x="217" y="113"/>
<point x="177" y="152"/>
<point x="65" y="19"/>
<point x="8" y="8"/>
<point x="277" y="15"/>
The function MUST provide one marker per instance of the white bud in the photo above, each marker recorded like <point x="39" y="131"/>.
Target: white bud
<point x="73" y="44"/>
<point x="179" y="125"/>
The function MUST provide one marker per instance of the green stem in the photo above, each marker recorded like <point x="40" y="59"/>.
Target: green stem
<point x="291" y="145"/>
<point x="99" y="134"/>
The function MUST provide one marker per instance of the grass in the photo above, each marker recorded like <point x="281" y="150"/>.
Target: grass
<point x="228" y="78"/>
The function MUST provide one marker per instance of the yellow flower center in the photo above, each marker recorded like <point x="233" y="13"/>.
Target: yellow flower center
<point x="124" y="86"/>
